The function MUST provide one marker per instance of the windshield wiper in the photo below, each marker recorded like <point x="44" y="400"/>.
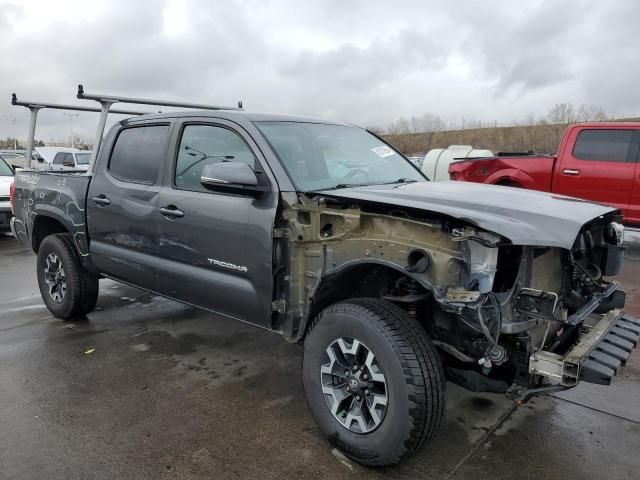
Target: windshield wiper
<point x="399" y="181"/>
<point x="349" y="185"/>
<point x="404" y="180"/>
<point x="344" y="185"/>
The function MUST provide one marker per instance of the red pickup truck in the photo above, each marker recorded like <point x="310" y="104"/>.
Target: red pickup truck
<point x="595" y="161"/>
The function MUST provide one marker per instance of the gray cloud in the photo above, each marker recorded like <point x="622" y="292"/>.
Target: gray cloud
<point x="366" y="62"/>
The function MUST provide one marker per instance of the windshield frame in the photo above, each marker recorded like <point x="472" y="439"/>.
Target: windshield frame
<point x="257" y="123"/>
<point x="8" y="165"/>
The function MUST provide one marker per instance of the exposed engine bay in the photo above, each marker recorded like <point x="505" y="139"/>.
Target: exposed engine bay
<point x="487" y="304"/>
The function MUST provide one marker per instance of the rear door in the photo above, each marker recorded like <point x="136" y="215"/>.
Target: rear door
<point x="599" y="167"/>
<point x="215" y="248"/>
<point x="122" y="204"/>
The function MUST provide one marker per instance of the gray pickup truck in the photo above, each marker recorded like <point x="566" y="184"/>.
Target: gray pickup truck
<point x="325" y="234"/>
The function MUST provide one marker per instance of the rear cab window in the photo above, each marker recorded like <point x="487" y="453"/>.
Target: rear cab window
<point x="139" y="153"/>
<point x="604" y="145"/>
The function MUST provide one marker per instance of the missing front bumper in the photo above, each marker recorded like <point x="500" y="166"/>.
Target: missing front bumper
<point x="597" y="356"/>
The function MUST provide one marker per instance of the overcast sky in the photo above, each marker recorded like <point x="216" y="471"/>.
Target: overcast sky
<point x="366" y="62"/>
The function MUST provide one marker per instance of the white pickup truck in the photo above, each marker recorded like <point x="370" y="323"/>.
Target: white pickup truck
<point x="56" y="158"/>
<point x="6" y="179"/>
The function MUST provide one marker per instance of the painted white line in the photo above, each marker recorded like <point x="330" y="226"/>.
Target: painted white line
<point x="19" y="309"/>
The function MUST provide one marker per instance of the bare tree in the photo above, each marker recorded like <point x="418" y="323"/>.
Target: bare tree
<point x="562" y="113"/>
<point x="590" y="113"/>
<point x="428" y="125"/>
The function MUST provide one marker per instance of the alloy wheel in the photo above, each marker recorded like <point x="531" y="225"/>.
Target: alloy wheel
<point x="55" y="278"/>
<point x="354" y="385"/>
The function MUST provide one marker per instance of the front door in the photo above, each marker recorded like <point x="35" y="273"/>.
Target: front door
<point x="122" y="200"/>
<point x="215" y="248"/>
<point x="599" y="167"/>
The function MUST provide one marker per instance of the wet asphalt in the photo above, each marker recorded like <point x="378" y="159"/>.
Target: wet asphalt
<point x="149" y="388"/>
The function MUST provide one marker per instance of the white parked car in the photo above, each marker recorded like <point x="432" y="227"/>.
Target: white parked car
<point x="6" y="177"/>
<point x="437" y="160"/>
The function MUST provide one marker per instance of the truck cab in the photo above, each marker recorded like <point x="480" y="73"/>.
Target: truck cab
<point x="599" y="162"/>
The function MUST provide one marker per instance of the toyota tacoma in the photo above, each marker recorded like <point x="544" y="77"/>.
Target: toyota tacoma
<point x="323" y="233"/>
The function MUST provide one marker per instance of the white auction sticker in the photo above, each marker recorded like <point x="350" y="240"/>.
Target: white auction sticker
<point x="382" y="151"/>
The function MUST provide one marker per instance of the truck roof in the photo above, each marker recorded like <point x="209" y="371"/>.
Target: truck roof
<point x="606" y="124"/>
<point x="234" y="115"/>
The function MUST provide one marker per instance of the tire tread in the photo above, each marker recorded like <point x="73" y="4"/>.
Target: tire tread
<point x="85" y="297"/>
<point x="420" y="363"/>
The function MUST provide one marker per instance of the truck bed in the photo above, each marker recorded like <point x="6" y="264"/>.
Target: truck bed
<point x="62" y="195"/>
<point x="534" y="172"/>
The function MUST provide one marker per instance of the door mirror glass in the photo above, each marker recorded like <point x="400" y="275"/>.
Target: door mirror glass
<point x="231" y="177"/>
<point x="225" y="173"/>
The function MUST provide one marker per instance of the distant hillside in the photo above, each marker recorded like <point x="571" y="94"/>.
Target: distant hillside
<point x="541" y="138"/>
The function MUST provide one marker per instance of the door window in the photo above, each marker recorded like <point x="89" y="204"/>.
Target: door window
<point x="68" y="160"/>
<point x="59" y="158"/>
<point x="201" y="145"/>
<point x="603" y="145"/>
<point x="138" y="154"/>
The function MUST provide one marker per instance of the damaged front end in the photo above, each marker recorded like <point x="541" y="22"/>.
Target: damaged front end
<point x="506" y="318"/>
<point x="549" y="319"/>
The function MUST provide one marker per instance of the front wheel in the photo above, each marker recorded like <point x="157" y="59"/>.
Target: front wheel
<point x="67" y="288"/>
<point x="373" y="380"/>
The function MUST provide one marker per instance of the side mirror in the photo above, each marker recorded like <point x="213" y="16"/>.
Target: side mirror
<point x="232" y="177"/>
<point x="67" y="163"/>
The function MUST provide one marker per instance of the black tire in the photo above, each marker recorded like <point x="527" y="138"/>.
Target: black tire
<point x="509" y="183"/>
<point x="413" y="374"/>
<point x="81" y="294"/>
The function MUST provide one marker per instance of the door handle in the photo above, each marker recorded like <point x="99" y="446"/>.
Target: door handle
<point x="571" y="171"/>
<point x="101" y="200"/>
<point x="171" y="212"/>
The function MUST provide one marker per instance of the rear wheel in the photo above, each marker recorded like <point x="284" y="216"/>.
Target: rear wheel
<point x="373" y="380"/>
<point x="67" y="288"/>
<point x="509" y="183"/>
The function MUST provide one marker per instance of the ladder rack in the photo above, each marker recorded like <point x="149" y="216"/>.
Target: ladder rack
<point x="35" y="107"/>
<point x="106" y="101"/>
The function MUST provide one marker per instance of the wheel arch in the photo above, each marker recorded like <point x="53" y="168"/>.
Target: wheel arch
<point x="365" y="278"/>
<point x="45" y="224"/>
<point x="49" y="221"/>
<point x="512" y="177"/>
